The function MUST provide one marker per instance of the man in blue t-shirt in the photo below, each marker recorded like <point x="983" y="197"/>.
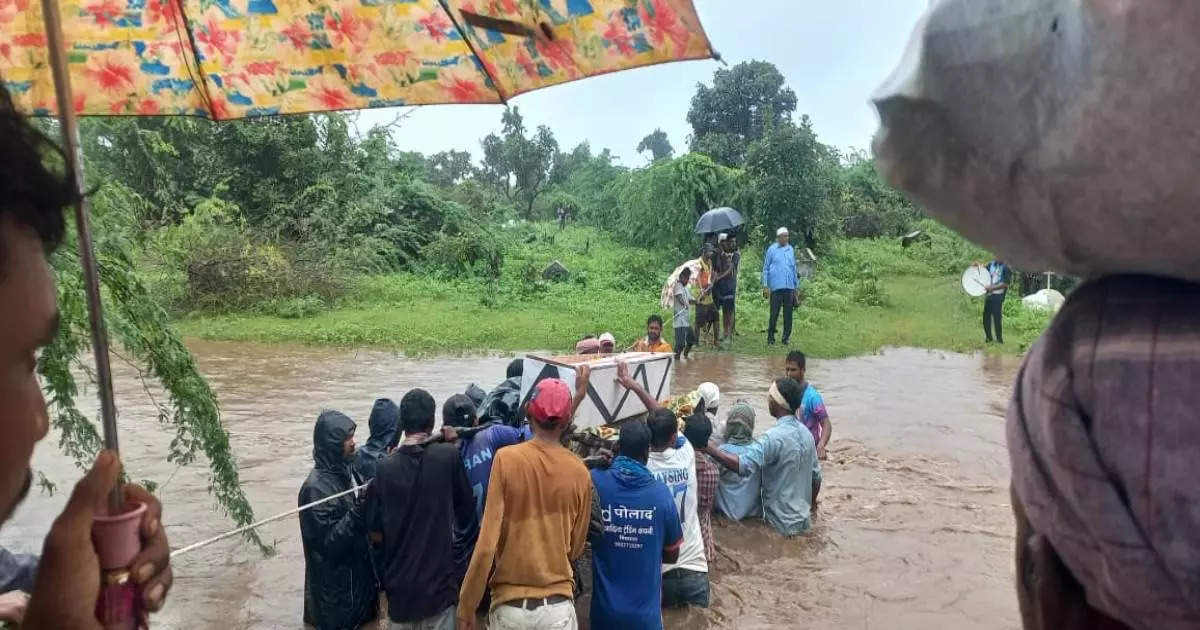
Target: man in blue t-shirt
<point x="479" y="450"/>
<point x="641" y="531"/>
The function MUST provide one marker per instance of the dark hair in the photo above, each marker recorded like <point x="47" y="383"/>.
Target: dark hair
<point x="634" y="441"/>
<point x="516" y="367"/>
<point x="663" y="427"/>
<point x="797" y="357"/>
<point x="792" y="392"/>
<point x="654" y="319"/>
<point x="417" y="411"/>
<point x="458" y="411"/>
<point x="686" y="272"/>
<point x="31" y="195"/>
<point x="698" y="429"/>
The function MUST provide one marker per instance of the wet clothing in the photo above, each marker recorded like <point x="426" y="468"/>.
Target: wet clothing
<point x="676" y="467"/>
<point x="17" y="571"/>
<point x="535" y="524"/>
<point x="726" y="286"/>
<point x="639" y="522"/>
<point x="644" y="345"/>
<point x="681" y="306"/>
<point x="812" y="411"/>
<point x="340" y="590"/>
<point x="545" y="615"/>
<point x="781" y="300"/>
<point x="706" y="494"/>
<point x="1102" y="440"/>
<point x="787" y="456"/>
<point x="503" y="404"/>
<point x="383" y="423"/>
<point x="685" y="340"/>
<point x="444" y="620"/>
<point x="478" y="453"/>
<point x="739" y="496"/>
<point x="421" y="502"/>
<point x="682" y="587"/>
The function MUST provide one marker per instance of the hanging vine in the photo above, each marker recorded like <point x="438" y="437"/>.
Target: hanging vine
<point x="142" y="330"/>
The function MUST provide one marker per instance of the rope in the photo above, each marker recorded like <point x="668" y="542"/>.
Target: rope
<point x="245" y="528"/>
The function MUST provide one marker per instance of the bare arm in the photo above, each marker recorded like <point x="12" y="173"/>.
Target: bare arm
<point x="583" y="377"/>
<point x="826" y="433"/>
<point x="728" y="460"/>
<point x="627" y="382"/>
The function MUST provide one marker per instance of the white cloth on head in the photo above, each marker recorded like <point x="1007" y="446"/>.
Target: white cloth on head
<point x="711" y="394"/>
<point x="781" y="231"/>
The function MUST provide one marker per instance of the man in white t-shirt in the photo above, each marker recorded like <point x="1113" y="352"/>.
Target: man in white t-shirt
<point x="673" y="462"/>
<point x="681" y="301"/>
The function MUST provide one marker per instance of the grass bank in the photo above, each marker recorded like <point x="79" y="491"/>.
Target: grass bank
<point x="852" y="306"/>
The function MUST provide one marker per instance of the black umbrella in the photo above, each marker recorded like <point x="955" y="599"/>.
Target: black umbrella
<point x="719" y="220"/>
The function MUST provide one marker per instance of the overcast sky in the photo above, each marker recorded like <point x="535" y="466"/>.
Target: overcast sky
<point x="832" y="53"/>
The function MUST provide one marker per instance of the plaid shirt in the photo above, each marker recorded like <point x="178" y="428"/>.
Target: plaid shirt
<point x="706" y="487"/>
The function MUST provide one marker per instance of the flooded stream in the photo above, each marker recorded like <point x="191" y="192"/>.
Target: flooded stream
<point x="913" y="530"/>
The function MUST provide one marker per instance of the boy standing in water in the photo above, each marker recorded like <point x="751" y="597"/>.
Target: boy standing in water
<point x="681" y="301"/>
<point x="812" y="414"/>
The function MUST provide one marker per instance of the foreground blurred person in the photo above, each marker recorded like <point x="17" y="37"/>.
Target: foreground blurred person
<point x="32" y="200"/>
<point x="1102" y="435"/>
<point x="640" y="531"/>
<point x="421" y="511"/>
<point x="383" y="424"/>
<point x="340" y="591"/>
<point x="535" y="522"/>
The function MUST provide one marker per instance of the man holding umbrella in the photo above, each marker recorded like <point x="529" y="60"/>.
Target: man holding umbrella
<point x="779" y="284"/>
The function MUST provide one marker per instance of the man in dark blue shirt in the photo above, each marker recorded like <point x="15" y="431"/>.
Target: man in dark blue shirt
<point x="479" y="450"/>
<point x="641" y="531"/>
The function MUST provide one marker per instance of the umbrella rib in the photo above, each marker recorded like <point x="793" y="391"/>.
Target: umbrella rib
<point x="463" y="34"/>
<point x="202" y="84"/>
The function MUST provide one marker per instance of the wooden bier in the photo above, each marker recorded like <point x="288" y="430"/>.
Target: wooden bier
<point x="607" y="401"/>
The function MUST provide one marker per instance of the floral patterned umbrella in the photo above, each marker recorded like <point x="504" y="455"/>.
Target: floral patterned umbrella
<point x="225" y="59"/>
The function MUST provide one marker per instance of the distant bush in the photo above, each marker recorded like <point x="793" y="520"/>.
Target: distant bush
<point x="464" y="255"/>
<point x="297" y="307"/>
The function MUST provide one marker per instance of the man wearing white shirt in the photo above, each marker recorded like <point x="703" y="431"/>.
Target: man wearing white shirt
<point x="673" y="462"/>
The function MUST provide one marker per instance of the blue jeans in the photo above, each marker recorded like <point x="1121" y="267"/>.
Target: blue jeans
<point x="682" y="587"/>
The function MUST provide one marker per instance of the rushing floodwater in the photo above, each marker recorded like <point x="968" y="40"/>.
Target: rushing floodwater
<point x="913" y="531"/>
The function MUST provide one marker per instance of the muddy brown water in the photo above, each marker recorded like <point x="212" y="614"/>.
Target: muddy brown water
<point x="913" y="530"/>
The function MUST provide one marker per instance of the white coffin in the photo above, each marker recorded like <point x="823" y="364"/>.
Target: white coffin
<point x="606" y="400"/>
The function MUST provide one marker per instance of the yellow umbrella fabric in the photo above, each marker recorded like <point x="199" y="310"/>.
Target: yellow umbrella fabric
<point x="226" y="59"/>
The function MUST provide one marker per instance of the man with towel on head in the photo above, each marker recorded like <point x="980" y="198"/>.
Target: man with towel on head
<point x="738" y="496"/>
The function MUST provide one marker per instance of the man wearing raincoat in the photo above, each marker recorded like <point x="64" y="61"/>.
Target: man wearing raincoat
<point x="340" y="589"/>
<point x="385" y="415"/>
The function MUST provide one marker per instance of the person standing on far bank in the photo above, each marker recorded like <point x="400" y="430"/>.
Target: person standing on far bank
<point x="779" y="284"/>
<point x="993" y="304"/>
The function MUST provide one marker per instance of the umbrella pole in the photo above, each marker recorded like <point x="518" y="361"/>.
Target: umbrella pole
<point x="56" y="48"/>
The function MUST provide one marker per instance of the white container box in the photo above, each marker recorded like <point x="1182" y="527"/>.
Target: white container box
<point x="606" y="401"/>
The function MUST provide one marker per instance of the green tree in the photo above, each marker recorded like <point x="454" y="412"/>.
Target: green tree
<point x="446" y="168"/>
<point x="657" y="144"/>
<point x="516" y="165"/>
<point x="727" y="117"/>
<point x="795" y="181"/>
<point x="871" y="208"/>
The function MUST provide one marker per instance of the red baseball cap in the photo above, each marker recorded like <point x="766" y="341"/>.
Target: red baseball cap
<point x="551" y="400"/>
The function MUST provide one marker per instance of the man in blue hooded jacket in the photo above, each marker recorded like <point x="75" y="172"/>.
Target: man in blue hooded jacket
<point x="641" y="531"/>
<point x="385" y="416"/>
<point x="340" y="589"/>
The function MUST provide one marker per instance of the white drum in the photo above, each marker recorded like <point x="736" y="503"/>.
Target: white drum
<point x="975" y="280"/>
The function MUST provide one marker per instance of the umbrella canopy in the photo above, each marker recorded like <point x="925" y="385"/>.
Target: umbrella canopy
<point x="226" y="59"/>
<point x="719" y="220"/>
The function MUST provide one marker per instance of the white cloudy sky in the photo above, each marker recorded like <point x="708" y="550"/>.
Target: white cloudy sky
<point x="833" y="54"/>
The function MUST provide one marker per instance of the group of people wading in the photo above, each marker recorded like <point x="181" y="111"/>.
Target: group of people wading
<point x="491" y="519"/>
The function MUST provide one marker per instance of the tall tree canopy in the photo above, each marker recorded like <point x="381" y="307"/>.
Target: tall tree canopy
<point x="657" y="144"/>
<point x="735" y="111"/>
<point x="517" y="165"/>
<point x="794" y="179"/>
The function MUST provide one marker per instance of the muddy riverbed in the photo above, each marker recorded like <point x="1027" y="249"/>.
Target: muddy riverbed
<point x="913" y="530"/>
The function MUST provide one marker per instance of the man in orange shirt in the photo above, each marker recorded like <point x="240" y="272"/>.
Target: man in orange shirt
<point x="653" y="341"/>
<point x="535" y="522"/>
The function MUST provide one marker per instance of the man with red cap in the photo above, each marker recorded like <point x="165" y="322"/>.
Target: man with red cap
<point x="535" y="522"/>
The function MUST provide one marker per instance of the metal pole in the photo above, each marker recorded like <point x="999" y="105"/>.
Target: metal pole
<point x="56" y="48"/>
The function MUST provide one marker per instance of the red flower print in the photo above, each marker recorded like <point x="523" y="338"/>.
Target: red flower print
<point x="330" y="96"/>
<point x="525" y="62"/>
<point x="33" y="40"/>
<point x="147" y="107"/>
<point x="262" y="68"/>
<point x="437" y="24"/>
<point x="559" y="53"/>
<point x="118" y="106"/>
<point x="507" y="6"/>
<point x="79" y="102"/>
<point x="104" y="11"/>
<point x="464" y="91"/>
<point x="164" y="11"/>
<point x="216" y="41"/>
<point x="220" y="109"/>
<point x="348" y="28"/>
<point x="298" y="34"/>
<point x="6" y="51"/>
<point x="618" y="35"/>
<point x="110" y="75"/>
<point x="664" y="23"/>
<point x="393" y="58"/>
